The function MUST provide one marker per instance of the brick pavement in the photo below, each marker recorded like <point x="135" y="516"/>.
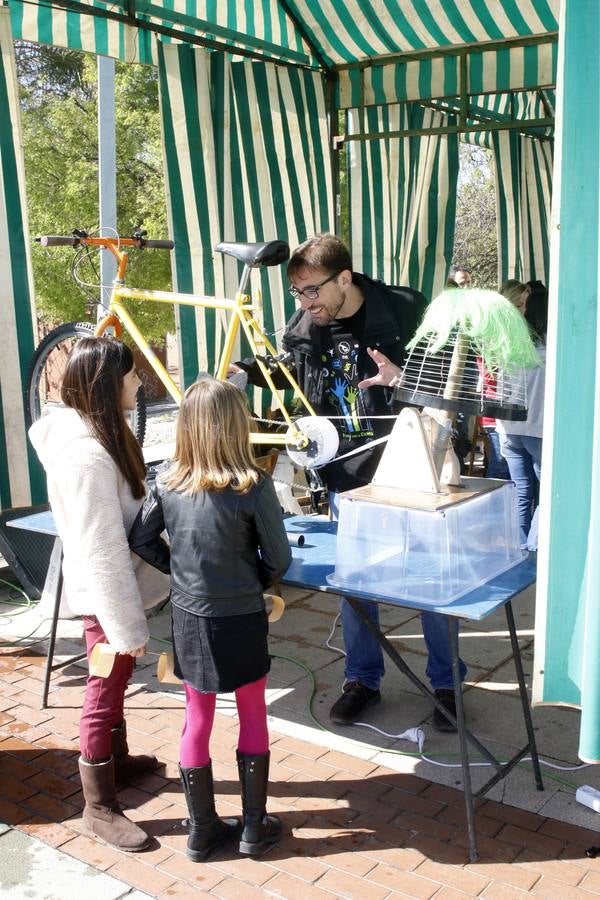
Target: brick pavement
<point x="352" y="828"/>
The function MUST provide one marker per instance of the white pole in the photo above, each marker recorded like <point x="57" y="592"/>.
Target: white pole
<point x="107" y="171"/>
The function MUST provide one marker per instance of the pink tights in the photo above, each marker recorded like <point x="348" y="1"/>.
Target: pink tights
<point x="200" y="714"/>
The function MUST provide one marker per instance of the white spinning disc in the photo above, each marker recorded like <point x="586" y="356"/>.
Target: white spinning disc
<point x="323" y="442"/>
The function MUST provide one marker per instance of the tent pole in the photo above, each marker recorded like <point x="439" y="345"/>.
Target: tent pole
<point x="331" y="85"/>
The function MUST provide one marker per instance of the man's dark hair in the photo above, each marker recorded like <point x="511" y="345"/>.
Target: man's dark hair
<point x="323" y="251"/>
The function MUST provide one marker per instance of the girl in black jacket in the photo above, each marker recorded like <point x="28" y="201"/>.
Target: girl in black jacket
<point x="227" y="544"/>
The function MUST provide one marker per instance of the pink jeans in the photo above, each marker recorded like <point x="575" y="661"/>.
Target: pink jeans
<point x="104" y="698"/>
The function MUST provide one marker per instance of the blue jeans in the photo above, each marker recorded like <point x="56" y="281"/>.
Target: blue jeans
<point x="524" y="457"/>
<point x="497" y="466"/>
<point x="364" y="656"/>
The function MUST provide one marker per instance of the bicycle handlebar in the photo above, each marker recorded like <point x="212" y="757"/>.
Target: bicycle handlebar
<point x="158" y="245"/>
<point x="53" y="240"/>
<point x="75" y="240"/>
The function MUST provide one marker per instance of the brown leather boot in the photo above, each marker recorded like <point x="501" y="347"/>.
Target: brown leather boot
<point x="102" y="816"/>
<point x="127" y="766"/>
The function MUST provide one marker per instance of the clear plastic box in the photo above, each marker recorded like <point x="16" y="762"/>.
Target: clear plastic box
<point x="390" y="548"/>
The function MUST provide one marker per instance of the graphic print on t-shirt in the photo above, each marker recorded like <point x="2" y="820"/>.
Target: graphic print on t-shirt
<point x="340" y="377"/>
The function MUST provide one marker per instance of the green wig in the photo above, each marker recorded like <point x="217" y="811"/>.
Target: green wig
<point x="496" y="329"/>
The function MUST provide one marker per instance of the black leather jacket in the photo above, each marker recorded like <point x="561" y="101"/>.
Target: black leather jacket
<point x="226" y="547"/>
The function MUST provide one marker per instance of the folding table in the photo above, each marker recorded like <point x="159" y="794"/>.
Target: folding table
<point x="315" y="560"/>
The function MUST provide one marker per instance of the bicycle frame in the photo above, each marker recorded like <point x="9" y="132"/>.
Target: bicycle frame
<point x="243" y="311"/>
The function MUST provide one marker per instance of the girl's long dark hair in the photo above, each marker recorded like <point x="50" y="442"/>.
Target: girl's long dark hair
<point x="92" y="386"/>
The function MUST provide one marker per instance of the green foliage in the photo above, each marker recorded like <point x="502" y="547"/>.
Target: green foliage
<point x="60" y="137"/>
<point x="475" y="237"/>
<point x="343" y="201"/>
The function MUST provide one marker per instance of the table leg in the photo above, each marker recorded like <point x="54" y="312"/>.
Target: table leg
<point x="52" y="641"/>
<point x="462" y="740"/>
<point x="510" y="619"/>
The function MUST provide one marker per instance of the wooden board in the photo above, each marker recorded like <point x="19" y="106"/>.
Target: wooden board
<point x="449" y="496"/>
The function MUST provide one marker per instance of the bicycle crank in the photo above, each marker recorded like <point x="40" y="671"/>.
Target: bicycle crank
<point x="312" y="441"/>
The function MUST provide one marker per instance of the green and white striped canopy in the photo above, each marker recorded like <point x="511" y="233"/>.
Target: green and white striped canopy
<point x="317" y="33"/>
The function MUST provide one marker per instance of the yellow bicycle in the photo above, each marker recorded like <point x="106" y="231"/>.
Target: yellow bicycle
<point x="45" y="375"/>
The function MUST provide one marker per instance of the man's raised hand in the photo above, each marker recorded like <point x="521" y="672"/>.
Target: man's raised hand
<point x="387" y="373"/>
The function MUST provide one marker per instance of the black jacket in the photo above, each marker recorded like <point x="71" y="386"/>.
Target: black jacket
<point x="226" y="547"/>
<point x="392" y="315"/>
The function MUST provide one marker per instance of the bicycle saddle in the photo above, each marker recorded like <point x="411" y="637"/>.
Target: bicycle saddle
<point x="271" y="253"/>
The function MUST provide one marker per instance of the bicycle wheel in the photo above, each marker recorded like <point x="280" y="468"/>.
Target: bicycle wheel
<point x="45" y="375"/>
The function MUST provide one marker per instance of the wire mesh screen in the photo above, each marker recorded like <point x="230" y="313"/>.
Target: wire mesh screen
<point x="455" y="378"/>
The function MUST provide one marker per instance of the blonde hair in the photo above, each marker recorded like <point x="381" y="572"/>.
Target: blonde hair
<point x="512" y="290"/>
<point x="212" y="446"/>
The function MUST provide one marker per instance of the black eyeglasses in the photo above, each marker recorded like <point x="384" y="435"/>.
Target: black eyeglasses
<point x="312" y="291"/>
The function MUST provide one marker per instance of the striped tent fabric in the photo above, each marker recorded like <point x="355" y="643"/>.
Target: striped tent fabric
<point x="20" y="477"/>
<point x="262" y="25"/>
<point x="229" y="179"/>
<point x="45" y="24"/>
<point x="494" y="71"/>
<point x="354" y="30"/>
<point x="523" y="196"/>
<point x="328" y="31"/>
<point x="403" y="197"/>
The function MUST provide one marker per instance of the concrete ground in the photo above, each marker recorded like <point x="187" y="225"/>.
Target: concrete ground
<point x="365" y="814"/>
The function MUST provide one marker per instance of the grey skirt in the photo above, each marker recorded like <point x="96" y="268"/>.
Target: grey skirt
<point x="220" y="654"/>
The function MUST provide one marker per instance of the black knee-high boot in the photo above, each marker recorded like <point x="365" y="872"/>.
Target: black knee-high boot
<point x="208" y="833"/>
<point x="258" y="829"/>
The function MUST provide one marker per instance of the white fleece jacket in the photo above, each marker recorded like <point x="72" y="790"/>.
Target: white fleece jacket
<point x="94" y="510"/>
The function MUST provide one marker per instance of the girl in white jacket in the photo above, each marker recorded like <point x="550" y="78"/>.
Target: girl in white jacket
<point x="95" y="472"/>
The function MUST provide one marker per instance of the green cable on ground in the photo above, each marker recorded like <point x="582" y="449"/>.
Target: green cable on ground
<point x="19" y="590"/>
<point x="407" y="753"/>
<point x="395" y="752"/>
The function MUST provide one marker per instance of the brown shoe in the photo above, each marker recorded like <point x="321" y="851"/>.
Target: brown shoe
<point x="127" y="766"/>
<point x="102" y="816"/>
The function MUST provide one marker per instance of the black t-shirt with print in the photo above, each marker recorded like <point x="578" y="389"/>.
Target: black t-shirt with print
<point x="343" y="404"/>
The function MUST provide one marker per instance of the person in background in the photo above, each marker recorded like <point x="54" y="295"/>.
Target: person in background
<point x="460" y="275"/>
<point x="497" y="467"/>
<point x="515" y="291"/>
<point x="96" y="472"/>
<point x="227" y="544"/>
<point x="521" y="442"/>
<point x="343" y="313"/>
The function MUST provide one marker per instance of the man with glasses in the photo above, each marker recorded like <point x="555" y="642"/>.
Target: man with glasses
<point x="342" y="314"/>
